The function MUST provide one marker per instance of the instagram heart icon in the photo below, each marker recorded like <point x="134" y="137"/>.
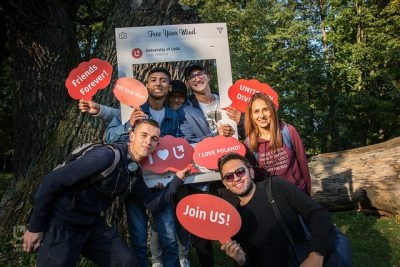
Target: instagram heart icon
<point x="163" y="154"/>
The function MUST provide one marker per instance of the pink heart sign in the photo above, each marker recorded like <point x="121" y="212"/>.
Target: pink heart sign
<point x="172" y="154"/>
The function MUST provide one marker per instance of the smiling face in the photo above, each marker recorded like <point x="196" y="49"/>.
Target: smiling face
<point x="240" y="186"/>
<point x="158" y="85"/>
<point x="198" y="80"/>
<point x="144" y="140"/>
<point x="261" y="114"/>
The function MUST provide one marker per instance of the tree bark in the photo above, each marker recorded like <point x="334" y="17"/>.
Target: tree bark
<point x="48" y="122"/>
<point x="366" y="178"/>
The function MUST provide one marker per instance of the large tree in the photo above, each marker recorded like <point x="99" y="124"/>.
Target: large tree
<point x="42" y="37"/>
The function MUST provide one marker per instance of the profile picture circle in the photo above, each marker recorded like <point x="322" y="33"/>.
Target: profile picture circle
<point x="137" y="53"/>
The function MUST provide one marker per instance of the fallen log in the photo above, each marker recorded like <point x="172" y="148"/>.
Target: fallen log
<point x="365" y="179"/>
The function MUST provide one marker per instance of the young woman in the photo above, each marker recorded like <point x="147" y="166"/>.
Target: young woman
<point x="274" y="144"/>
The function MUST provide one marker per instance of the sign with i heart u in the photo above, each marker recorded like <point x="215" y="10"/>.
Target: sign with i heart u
<point x="172" y="154"/>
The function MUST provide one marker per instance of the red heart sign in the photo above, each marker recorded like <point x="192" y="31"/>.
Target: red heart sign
<point x="209" y="150"/>
<point x="241" y="92"/>
<point x="172" y="154"/>
<point x="130" y="92"/>
<point x="84" y="81"/>
<point x="209" y="217"/>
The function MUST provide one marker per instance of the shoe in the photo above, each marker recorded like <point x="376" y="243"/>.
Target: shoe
<point x="184" y="263"/>
<point x="157" y="264"/>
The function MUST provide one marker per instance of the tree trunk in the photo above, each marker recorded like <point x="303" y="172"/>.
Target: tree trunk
<point x="49" y="124"/>
<point x="366" y="178"/>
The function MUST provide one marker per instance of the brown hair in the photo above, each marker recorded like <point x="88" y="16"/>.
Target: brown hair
<point x="251" y="128"/>
<point x="146" y="121"/>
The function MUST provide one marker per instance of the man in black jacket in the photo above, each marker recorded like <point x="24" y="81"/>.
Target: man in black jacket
<point x="261" y="241"/>
<point x="60" y="232"/>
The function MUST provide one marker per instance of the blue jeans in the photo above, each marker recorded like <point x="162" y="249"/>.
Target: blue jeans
<point x="164" y="222"/>
<point x="137" y="228"/>
<point x="99" y="243"/>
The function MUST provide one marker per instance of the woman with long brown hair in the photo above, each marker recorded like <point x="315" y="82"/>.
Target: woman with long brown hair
<point x="276" y="145"/>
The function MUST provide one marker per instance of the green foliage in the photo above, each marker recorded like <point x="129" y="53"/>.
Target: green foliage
<point x="333" y="63"/>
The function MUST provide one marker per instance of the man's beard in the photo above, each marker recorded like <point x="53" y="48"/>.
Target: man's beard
<point x="248" y="190"/>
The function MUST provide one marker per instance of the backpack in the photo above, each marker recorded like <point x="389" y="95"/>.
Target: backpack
<point x="79" y="152"/>
<point x="82" y="150"/>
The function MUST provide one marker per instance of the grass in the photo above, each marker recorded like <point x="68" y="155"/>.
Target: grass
<point x="375" y="241"/>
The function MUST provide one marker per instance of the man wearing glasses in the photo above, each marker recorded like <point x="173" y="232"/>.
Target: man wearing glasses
<point x="202" y="116"/>
<point x="268" y="245"/>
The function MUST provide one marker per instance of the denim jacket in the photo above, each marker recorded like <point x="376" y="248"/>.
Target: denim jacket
<point x="119" y="132"/>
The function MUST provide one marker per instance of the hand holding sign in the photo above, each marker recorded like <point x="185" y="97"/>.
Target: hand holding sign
<point x="209" y="217"/>
<point x="130" y="92"/>
<point x="241" y="92"/>
<point x="209" y="150"/>
<point x="84" y="81"/>
<point x="172" y="154"/>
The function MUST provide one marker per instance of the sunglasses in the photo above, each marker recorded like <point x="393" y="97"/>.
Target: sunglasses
<point x="230" y="176"/>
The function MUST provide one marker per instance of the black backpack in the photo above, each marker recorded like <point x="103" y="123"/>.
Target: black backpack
<point x="79" y="152"/>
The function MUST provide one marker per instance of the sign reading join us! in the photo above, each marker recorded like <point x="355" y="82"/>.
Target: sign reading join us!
<point x="209" y="217"/>
<point x="209" y="150"/>
<point x="85" y="80"/>
<point x="241" y="92"/>
<point x="172" y="154"/>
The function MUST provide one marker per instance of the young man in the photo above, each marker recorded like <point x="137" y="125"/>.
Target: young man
<point x="60" y="231"/>
<point x="267" y="245"/>
<point x="158" y="85"/>
<point x="178" y="95"/>
<point x="202" y="114"/>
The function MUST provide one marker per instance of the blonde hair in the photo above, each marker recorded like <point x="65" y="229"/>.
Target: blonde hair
<point x="253" y="131"/>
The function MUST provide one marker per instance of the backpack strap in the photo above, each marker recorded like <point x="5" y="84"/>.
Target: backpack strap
<point x="286" y="136"/>
<point x="280" y="219"/>
<point x="106" y="172"/>
<point x="97" y="178"/>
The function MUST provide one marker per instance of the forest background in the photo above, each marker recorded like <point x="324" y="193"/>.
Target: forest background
<point x="334" y="63"/>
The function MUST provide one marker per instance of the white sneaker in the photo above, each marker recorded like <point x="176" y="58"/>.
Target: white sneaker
<point x="184" y="263"/>
<point x="157" y="264"/>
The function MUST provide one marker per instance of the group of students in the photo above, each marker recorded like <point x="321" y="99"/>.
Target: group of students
<point x="60" y="234"/>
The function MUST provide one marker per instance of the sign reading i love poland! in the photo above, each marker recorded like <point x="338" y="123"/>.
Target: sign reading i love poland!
<point x="85" y="80"/>
<point x="172" y="154"/>
<point x="209" y="150"/>
<point x="130" y="91"/>
<point x="209" y="217"/>
<point x="241" y="92"/>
